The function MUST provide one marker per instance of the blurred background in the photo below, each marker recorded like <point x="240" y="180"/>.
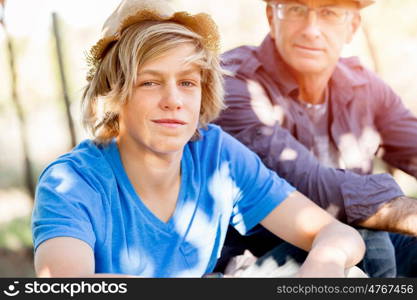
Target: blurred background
<point x="42" y="73"/>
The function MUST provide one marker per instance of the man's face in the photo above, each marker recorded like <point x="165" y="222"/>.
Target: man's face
<point x="163" y="113"/>
<point x="311" y="41"/>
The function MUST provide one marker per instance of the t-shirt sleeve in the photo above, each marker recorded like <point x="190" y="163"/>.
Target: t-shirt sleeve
<point x="259" y="190"/>
<point x="64" y="204"/>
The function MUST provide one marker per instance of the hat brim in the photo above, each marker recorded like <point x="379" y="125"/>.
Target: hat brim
<point x="361" y="3"/>
<point x="365" y="3"/>
<point x="201" y="24"/>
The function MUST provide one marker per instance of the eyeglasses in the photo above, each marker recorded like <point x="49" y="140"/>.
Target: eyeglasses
<point x="298" y="12"/>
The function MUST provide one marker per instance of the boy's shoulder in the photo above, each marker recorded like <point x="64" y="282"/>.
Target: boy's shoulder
<point x="86" y="159"/>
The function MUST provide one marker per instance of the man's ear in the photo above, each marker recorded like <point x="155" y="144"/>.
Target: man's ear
<point x="270" y="15"/>
<point x="354" y="25"/>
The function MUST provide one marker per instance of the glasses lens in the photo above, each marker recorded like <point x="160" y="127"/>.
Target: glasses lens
<point x="291" y="12"/>
<point x="298" y="12"/>
<point x="332" y="15"/>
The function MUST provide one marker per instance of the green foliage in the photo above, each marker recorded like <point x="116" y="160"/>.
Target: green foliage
<point x="16" y="234"/>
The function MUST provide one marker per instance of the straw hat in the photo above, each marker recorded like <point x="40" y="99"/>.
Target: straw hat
<point x="364" y="3"/>
<point x="361" y="3"/>
<point x="134" y="11"/>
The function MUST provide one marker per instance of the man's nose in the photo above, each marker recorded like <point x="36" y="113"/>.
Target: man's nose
<point x="312" y="28"/>
<point x="171" y="99"/>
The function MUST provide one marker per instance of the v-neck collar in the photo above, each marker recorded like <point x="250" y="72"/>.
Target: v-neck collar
<point x="116" y="162"/>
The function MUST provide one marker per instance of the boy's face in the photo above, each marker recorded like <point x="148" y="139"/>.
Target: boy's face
<point x="163" y="113"/>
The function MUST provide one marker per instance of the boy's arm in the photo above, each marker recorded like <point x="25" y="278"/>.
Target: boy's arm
<point x="333" y="246"/>
<point x="66" y="257"/>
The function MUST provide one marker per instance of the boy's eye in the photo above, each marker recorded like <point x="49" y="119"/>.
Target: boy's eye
<point x="148" y="83"/>
<point x="187" y="83"/>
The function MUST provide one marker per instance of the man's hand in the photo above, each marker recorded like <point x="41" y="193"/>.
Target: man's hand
<point x="398" y="215"/>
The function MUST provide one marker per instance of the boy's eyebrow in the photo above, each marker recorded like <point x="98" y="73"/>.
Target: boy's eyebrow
<point x="150" y="72"/>
<point x="159" y="73"/>
<point x="190" y="71"/>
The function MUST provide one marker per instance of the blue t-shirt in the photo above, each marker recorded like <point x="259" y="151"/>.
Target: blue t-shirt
<point x="86" y="194"/>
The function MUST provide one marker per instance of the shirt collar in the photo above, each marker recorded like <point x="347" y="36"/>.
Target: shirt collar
<point x="274" y="65"/>
<point x="347" y="76"/>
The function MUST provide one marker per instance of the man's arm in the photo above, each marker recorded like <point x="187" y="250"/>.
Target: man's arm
<point x="398" y="215"/>
<point x="333" y="247"/>
<point x="346" y="195"/>
<point x="397" y="126"/>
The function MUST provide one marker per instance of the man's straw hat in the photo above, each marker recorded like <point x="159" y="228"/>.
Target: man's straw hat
<point x="361" y="3"/>
<point x="135" y="11"/>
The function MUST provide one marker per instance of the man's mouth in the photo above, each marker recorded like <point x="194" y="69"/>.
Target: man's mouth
<point x="308" y="49"/>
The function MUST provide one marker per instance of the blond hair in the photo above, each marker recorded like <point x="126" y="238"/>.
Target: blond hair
<point x="112" y="82"/>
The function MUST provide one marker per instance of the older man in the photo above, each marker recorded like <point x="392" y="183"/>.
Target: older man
<point x="309" y="114"/>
